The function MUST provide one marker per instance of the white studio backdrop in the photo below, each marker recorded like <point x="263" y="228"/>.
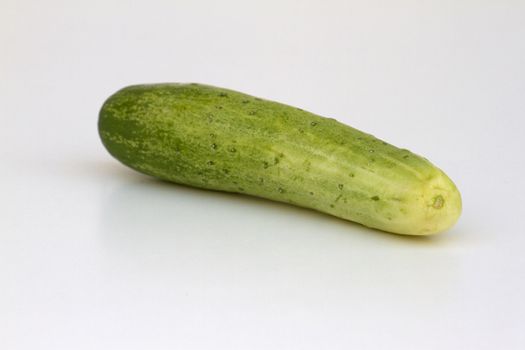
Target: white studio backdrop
<point x="96" y="256"/>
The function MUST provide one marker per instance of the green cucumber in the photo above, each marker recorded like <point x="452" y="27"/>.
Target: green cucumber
<point x="219" y="139"/>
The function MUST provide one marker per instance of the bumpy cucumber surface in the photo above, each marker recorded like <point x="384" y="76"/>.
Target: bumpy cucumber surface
<point x="219" y="139"/>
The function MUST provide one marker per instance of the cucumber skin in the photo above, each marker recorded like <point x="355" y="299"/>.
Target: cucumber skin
<point x="219" y="139"/>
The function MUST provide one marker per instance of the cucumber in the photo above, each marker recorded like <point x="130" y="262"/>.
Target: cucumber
<point x="219" y="139"/>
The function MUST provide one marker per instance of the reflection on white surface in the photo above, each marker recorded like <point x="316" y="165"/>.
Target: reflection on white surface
<point x="210" y="254"/>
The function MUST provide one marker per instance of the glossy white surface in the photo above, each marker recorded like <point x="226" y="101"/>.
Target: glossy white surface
<point x="95" y="256"/>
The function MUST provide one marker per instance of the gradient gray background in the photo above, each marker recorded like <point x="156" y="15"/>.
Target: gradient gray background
<point x="95" y="256"/>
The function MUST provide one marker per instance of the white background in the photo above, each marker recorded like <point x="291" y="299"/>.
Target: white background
<point x="96" y="256"/>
